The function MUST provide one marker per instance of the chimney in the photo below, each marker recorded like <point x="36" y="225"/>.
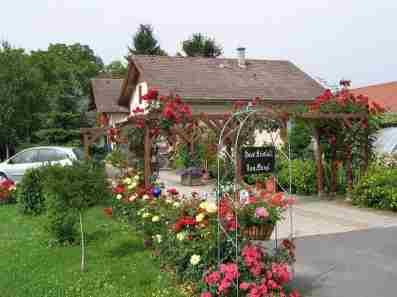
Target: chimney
<point x="241" y="57"/>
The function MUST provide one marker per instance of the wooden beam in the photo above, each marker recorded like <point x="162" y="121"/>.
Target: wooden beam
<point x="147" y="156"/>
<point x="319" y="163"/>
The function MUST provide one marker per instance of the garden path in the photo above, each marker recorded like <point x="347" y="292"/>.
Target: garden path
<point x="311" y="215"/>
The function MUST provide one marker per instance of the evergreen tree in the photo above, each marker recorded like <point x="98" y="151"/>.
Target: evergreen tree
<point x="201" y="46"/>
<point x="144" y="43"/>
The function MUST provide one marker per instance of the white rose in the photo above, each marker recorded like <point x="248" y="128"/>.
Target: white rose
<point x="158" y="238"/>
<point x="195" y="259"/>
<point x="119" y="196"/>
<point x="155" y="219"/>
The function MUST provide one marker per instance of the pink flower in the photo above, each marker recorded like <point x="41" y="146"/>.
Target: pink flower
<point x="245" y="286"/>
<point x="212" y="278"/>
<point x="294" y="293"/>
<point x="261" y="212"/>
<point x="206" y="294"/>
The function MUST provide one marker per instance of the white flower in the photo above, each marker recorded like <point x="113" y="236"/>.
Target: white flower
<point x="176" y="204"/>
<point x="181" y="236"/>
<point x="13" y="188"/>
<point x="195" y="259"/>
<point x="134" y="184"/>
<point x="132" y="198"/>
<point x="136" y="178"/>
<point x="119" y="196"/>
<point x="158" y="238"/>
<point x="155" y="219"/>
<point x="145" y="197"/>
<point x="200" y="217"/>
<point x="168" y="201"/>
<point x="145" y="215"/>
<point x="127" y="181"/>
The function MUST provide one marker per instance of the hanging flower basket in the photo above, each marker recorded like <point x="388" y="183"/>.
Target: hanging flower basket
<point x="258" y="232"/>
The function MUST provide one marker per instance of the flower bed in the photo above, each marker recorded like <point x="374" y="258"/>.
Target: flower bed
<point x="183" y="234"/>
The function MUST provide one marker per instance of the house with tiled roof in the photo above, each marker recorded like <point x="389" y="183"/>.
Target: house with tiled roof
<point x="384" y="94"/>
<point x="212" y="84"/>
<point x="104" y="96"/>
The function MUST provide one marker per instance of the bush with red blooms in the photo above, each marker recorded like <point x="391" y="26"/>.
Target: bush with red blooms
<point x="163" y="112"/>
<point x="7" y="191"/>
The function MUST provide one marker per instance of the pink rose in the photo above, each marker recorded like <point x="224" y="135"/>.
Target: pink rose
<point x="206" y="294"/>
<point x="261" y="212"/>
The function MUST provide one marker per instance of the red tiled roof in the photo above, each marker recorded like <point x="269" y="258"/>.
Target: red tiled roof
<point x="222" y="79"/>
<point x="384" y="94"/>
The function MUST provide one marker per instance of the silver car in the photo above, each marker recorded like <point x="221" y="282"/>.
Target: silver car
<point x="15" y="167"/>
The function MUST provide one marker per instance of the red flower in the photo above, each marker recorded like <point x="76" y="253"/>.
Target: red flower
<point x="108" y="211"/>
<point x="172" y="191"/>
<point x="138" y="110"/>
<point x="119" y="189"/>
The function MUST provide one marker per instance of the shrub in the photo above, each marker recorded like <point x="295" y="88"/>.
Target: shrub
<point x="30" y="192"/>
<point x="68" y="192"/>
<point x="377" y="188"/>
<point x="303" y="173"/>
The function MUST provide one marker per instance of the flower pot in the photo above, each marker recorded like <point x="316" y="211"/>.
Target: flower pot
<point x="258" y="232"/>
<point x="191" y="180"/>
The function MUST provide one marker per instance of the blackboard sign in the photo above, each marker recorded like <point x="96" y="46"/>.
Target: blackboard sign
<point x="256" y="160"/>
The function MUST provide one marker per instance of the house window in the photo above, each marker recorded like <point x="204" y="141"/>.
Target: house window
<point x="140" y="94"/>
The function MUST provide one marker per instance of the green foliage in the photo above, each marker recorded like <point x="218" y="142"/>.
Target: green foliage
<point x="117" y="158"/>
<point x="69" y="191"/>
<point x="144" y="43"/>
<point x="30" y="192"/>
<point x="116" y="69"/>
<point x="303" y="173"/>
<point x="377" y="188"/>
<point x="300" y="138"/>
<point x="388" y="120"/>
<point x="186" y="160"/>
<point x="201" y="46"/>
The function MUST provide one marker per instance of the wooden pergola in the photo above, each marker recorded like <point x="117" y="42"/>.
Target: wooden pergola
<point x="216" y="122"/>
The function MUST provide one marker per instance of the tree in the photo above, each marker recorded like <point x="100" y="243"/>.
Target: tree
<point x="201" y="46"/>
<point x="144" y="43"/>
<point x="22" y="97"/>
<point x="116" y="69"/>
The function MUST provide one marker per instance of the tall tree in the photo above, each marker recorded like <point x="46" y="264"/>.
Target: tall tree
<point x="145" y="43"/>
<point x="22" y="97"/>
<point x="116" y="69"/>
<point x="201" y="46"/>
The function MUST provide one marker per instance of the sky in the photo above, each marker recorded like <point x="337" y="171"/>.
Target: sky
<point x="328" y="39"/>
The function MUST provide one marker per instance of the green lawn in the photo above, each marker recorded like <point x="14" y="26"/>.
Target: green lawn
<point x="117" y="264"/>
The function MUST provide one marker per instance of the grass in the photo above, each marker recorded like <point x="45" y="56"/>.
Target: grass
<point x="117" y="264"/>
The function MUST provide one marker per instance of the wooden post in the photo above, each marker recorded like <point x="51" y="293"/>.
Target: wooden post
<point x="319" y="162"/>
<point x="86" y="146"/>
<point x="147" y="156"/>
<point x="349" y="168"/>
<point x="334" y="169"/>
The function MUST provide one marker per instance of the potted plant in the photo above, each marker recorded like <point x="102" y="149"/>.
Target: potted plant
<point x="192" y="176"/>
<point x="261" y="209"/>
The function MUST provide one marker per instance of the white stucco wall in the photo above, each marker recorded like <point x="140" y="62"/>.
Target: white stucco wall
<point x="135" y="97"/>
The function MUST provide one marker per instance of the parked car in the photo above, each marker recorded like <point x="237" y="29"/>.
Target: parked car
<point x="15" y="167"/>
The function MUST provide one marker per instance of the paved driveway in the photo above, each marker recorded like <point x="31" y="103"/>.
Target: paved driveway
<point x="353" y="264"/>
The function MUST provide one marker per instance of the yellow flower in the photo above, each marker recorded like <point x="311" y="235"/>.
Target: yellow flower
<point x="181" y="236"/>
<point x="136" y="177"/>
<point x="200" y="217"/>
<point x="203" y="205"/>
<point x="145" y="215"/>
<point x="211" y="207"/>
<point x="195" y="259"/>
<point x="127" y="181"/>
<point x="176" y="204"/>
<point x="155" y="219"/>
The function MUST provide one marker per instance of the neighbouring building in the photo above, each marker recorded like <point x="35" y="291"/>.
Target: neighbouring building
<point x="105" y="93"/>
<point x="212" y="85"/>
<point x="384" y="94"/>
